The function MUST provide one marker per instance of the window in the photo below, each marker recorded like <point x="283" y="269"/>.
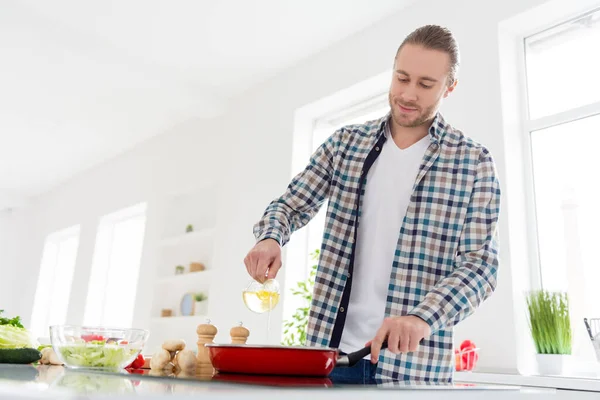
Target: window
<point x="115" y="268"/>
<point x="562" y="67"/>
<point x="54" y="282"/>
<point x="563" y="107"/>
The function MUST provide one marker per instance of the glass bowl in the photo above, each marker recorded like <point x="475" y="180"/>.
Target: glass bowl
<point x="261" y="297"/>
<point x="97" y="348"/>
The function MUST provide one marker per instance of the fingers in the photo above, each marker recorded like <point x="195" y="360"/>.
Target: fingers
<point x="250" y="262"/>
<point x="413" y="345"/>
<point x="404" y="335"/>
<point x="264" y="260"/>
<point x="404" y="343"/>
<point x="262" y="268"/>
<point x="376" y="343"/>
<point x="394" y="341"/>
<point x="256" y="265"/>
<point x="274" y="267"/>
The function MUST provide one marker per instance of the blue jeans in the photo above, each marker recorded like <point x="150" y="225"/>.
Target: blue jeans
<point x="362" y="373"/>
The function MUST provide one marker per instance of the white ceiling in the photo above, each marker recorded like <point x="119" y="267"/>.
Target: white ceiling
<point x="82" y="81"/>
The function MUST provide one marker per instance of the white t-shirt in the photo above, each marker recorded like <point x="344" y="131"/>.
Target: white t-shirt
<point x="387" y="193"/>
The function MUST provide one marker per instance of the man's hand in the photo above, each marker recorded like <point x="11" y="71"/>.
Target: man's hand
<point x="403" y="335"/>
<point x="264" y="256"/>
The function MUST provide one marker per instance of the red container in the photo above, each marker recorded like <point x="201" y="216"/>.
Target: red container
<point x="272" y="360"/>
<point x="466" y="360"/>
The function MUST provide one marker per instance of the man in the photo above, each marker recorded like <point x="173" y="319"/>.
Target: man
<point x="409" y="248"/>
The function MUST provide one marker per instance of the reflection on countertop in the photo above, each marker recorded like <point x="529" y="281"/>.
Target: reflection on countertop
<point x="150" y="381"/>
<point x="63" y="383"/>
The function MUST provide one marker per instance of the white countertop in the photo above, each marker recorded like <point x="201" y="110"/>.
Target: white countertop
<point x="53" y="382"/>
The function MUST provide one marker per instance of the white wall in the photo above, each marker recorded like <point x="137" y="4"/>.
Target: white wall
<point x="190" y="154"/>
<point x="7" y="267"/>
<point x="252" y="149"/>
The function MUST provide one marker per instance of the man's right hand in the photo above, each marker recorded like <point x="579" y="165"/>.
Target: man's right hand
<point x="264" y="260"/>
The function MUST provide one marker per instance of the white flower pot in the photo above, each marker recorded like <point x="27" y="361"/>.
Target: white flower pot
<point x="553" y="364"/>
<point x="201" y="307"/>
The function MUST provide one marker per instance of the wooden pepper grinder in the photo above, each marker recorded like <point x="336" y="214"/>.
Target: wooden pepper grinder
<point x="206" y="334"/>
<point x="239" y="334"/>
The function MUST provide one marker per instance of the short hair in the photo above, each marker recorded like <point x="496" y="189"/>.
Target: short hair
<point x="435" y="37"/>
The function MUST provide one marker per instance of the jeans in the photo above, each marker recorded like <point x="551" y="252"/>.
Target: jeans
<point x="362" y="373"/>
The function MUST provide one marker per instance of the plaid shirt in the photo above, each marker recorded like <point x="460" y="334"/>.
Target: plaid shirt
<point x="446" y="261"/>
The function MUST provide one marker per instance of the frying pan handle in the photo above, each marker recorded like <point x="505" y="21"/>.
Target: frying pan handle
<point x="354" y="358"/>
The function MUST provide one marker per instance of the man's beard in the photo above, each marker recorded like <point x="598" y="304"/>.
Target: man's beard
<point x="421" y="117"/>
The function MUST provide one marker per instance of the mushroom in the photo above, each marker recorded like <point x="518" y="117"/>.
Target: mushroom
<point x="160" y="360"/>
<point x="49" y="357"/>
<point x="174" y="345"/>
<point x="185" y="360"/>
<point x="44" y="359"/>
<point x="53" y="358"/>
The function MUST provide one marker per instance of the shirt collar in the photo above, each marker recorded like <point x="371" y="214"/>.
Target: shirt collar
<point x="436" y="129"/>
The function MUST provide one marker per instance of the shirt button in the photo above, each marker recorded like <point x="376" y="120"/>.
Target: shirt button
<point x="342" y="309"/>
<point x="377" y="148"/>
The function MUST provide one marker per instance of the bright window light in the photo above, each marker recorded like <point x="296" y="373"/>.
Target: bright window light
<point x="115" y="269"/>
<point x="54" y="282"/>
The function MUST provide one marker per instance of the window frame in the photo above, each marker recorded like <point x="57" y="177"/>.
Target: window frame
<point x="530" y="125"/>
<point x="519" y="249"/>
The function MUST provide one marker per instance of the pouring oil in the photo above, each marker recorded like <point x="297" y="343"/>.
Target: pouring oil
<point x="260" y="301"/>
<point x="261" y="298"/>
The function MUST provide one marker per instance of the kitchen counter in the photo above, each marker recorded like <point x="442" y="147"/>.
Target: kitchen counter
<point x="55" y="382"/>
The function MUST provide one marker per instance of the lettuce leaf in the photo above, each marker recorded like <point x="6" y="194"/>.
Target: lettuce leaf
<point x="97" y="355"/>
<point x="16" y="321"/>
<point x="12" y="337"/>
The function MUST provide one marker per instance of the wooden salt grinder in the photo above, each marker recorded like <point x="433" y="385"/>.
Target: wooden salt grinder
<point x="239" y="334"/>
<point x="206" y="334"/>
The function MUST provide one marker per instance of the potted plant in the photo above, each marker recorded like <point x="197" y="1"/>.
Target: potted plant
<point x="179" y="270"/>
<point x="189" y="228"/>
<point x="550" y="327"/>
<point x="294" y="333"/>
<point x="201" y="307"/>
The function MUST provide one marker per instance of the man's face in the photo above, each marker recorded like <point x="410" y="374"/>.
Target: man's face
<point x="419" y="83"/>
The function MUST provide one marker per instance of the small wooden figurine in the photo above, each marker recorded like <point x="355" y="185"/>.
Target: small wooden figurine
<point x="239" y="334"/>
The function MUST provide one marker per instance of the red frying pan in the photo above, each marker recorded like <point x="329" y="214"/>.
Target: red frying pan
<point x="280" y="360"/>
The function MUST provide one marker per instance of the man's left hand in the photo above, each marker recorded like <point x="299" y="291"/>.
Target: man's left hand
<point x="403" y="335"/>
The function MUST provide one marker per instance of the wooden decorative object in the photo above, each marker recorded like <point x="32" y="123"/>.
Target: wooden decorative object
<point x="239" y="334"/>
<point x="206" y="334"/>
<point x="197" y="267"/>
<point x="166" y="312"/>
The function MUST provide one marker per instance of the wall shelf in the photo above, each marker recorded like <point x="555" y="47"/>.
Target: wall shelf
<point x="197" y="277"/>
<point x="188" y="238"/>
<point x="193" y="205"/>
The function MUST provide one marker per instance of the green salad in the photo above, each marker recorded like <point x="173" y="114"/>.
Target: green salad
<point x="96" y="355"/>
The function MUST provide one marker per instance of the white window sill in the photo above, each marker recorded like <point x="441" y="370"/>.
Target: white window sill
<point x="584" y="382"/>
